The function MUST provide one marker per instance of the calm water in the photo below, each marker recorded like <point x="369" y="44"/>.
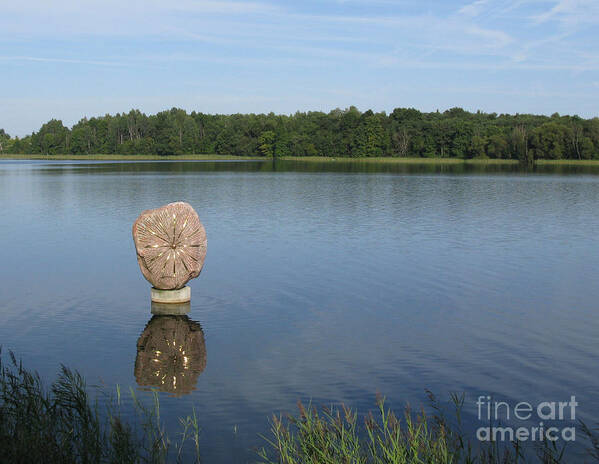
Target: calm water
<point x="327" y="283"/>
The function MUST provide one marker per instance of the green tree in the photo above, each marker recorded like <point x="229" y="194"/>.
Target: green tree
<point x="178" y="117"/>
<point x="266" y="143"/>
<point x="548" y="141"/>
<point x="520" y="145"/>
<point x="52" y="138"/>
<point x="369" y="136"/>
<point x="477" y="147"/>
<point x="166" y="135"/>
<point x="4" y="141"/>
<point x="340" y="132"/>
<point x="497" y="147"/>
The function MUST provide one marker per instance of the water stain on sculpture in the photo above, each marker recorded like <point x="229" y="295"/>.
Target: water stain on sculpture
<point x="171" y="245"/>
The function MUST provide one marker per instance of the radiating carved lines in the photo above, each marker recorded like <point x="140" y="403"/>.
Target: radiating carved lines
<point x="171" y="243"/>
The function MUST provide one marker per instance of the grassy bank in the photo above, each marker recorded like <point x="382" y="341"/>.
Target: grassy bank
<point x="440" y="161"/>
<point x="568" y="162"/>
<point x="61" y="424"/>
<point x="389" y="160"/>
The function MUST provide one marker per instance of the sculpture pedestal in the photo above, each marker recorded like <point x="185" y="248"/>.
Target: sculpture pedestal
<point x="182" y="295"/>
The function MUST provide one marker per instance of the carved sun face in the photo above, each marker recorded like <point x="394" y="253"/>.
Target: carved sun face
<point x="171" y="245"/>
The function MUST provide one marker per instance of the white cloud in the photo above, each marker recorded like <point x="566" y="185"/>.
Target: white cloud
<point x="493" y="38"/>
<point x="572" y="12"/>
<point x="473" y="9"/>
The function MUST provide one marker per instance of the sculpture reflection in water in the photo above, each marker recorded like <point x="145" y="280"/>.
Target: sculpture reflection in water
<point x="171" y="354"/>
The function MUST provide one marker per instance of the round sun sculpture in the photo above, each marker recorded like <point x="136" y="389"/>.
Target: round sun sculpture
<point x="171" y="245"/>
<point x="171" y="354"/>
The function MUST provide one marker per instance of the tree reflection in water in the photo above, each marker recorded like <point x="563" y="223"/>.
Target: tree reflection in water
<point x="171" y="354"/>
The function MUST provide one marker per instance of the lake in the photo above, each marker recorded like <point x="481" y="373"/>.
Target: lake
<point x="325" y="282"/>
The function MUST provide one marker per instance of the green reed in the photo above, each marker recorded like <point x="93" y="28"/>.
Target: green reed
<point x="336" y="436"/>
<point x="60" y="424"/>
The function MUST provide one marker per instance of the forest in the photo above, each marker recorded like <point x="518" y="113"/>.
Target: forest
<point x="405" y="132"/>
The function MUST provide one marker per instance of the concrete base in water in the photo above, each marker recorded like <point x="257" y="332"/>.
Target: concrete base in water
<point x="182" y="295"/>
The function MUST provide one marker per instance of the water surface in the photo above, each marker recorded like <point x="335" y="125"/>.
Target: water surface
<point x="328" y="282"/>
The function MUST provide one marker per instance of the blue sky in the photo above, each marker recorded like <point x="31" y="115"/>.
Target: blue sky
<point x="69" y="59"/>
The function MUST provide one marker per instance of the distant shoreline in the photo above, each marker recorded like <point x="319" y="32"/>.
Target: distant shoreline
<point x="101" y="157"/>
<point x="390" y="160"/>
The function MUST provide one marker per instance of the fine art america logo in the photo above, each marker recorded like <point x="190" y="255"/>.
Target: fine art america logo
<point x="544" y="415"/>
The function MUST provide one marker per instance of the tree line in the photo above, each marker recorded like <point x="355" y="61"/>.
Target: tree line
<point x="405" y="132"/>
